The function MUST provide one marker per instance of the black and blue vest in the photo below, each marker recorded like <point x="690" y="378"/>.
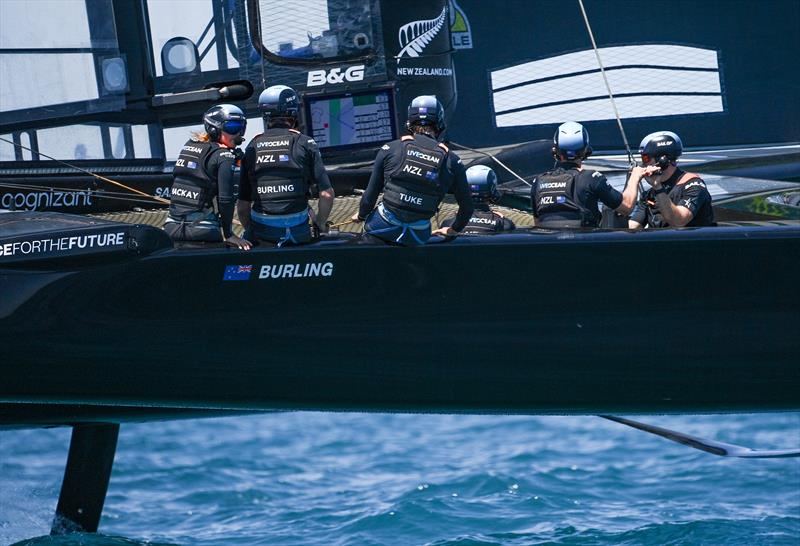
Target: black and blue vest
<point x="192" y="188"/>
<point x="281" y="181"/>
<point x="414" y="190"/>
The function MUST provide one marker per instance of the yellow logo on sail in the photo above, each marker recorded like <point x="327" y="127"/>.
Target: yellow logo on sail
<point x="460" y="31"/>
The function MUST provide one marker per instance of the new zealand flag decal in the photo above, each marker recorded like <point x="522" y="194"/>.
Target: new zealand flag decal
<point x="237" y="273"/>
<point x="561" y="199"/>
<point x="191" y="165"/>
<point x="283" y="157"/>
<point x="431" y="175"/>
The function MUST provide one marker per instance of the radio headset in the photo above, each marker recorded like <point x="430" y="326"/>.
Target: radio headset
<point x="663" y="162"/>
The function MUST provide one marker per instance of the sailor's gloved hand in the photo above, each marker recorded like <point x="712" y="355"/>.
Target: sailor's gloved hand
<point x="242" y="244"/>
<point x="638" y="172"/>
<point x="445" y="232"/>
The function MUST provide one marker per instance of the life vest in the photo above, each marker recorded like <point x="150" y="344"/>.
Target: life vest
<point x="483" y="221"/>
<point x="656" y="218"/>
<point x="686" y="177"/>
<point x="556" y="205"/>
<point x="414" y="190"/>
<point x="281" y="184"/>
<point x="192" y="188"/>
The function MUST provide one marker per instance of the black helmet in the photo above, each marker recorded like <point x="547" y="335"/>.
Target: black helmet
<point x="571" y="141"/>
<point x="663" y="147"/>
<point x="224" y="118"/>
<point x="482" y="184"/>
<point x="426" y="110"/>
<point x="278" y="101"/>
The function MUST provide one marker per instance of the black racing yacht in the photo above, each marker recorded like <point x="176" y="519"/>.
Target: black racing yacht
<point x="104" y="321"/>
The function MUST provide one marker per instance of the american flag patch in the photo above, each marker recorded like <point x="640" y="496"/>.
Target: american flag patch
<point x="237" y="272"/>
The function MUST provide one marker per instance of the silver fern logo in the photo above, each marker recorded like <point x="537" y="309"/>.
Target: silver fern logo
<point x="415" y="36"/>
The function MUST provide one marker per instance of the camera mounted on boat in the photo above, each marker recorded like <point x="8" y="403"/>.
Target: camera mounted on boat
<point x="426" y="111"/>
<point x="482" y="182"/>
<point x="571" y="142"/>
<point x="662" y="147"/>
<point x="225" y="118"/>
<point x="278" y="101"/>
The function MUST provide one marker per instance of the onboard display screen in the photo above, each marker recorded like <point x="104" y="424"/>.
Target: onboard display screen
<point x="351" y="119"/>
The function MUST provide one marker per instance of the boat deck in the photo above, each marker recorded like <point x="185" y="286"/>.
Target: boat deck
<point x="343" y="209"/>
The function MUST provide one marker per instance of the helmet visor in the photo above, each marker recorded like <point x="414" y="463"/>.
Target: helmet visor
<point x="235" y="126"/>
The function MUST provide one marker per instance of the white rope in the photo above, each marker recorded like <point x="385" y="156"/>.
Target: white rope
<point x="506" y="167"/>
<point x="608" y="87"/>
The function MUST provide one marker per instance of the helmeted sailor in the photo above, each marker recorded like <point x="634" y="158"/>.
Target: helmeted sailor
<point x="414" y="173"/>
<point x="676" y="198"/>
<point x="280" y="166"/>
<point x="202" y="194"/>
<point x="568" y="196"/>
<point x="482" y="182"/>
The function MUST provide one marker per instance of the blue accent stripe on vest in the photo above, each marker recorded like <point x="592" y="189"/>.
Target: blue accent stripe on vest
<point x="280" y="221"/>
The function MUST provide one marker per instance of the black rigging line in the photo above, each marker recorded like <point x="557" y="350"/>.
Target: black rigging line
<point x="261" y="53"/>
<point x="90" y="173"/>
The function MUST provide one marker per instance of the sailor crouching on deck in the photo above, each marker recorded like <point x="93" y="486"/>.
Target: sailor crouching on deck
<point x="280" y="165"/>
<point x="567" y="196"/>
<point x="482" y="182"/>
<point x="414" y="173"/>
<point x="204" y="172"/>
<point x="676" y="198"/>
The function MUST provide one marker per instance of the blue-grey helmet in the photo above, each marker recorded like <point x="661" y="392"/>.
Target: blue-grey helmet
<point x="571" y="141"/>
<point x="426" y="110"/>
<point x="278" y="101"/>
<point x="482" y="182"/>
<point x="663" y="147"/>
<point x="224" y="118"/>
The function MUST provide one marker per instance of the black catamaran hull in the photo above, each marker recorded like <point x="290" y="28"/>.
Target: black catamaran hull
<point x="693" y="320"/>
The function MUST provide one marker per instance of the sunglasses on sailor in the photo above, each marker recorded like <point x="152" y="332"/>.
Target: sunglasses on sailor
<point x="235" y="126"/>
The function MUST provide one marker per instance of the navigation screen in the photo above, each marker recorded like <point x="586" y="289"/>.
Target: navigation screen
<point x="351" y="119"/>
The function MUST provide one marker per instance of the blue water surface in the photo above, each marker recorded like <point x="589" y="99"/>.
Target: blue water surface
<point x="380" y="479"/>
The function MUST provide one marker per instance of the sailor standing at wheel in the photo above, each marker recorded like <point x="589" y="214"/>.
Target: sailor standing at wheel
<point x="414" y="173"/>
<point x="676" y="198"/>
<point x="567" y="196"/>
<point x="482" y="182"/>
<point x="202" y="193"/>
<point x="279" y="167"/>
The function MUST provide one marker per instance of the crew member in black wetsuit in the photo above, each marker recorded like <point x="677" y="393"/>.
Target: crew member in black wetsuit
<point x="414" y="173"/>
<point x="280" y="166"/>
<point x="202" y="193"/>
<point x="483" y="189"/>
<point x="567" y="196"/>
<point x="676" y="198"/>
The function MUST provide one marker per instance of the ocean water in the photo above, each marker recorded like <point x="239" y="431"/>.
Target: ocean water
<point x="306" y="478"/>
